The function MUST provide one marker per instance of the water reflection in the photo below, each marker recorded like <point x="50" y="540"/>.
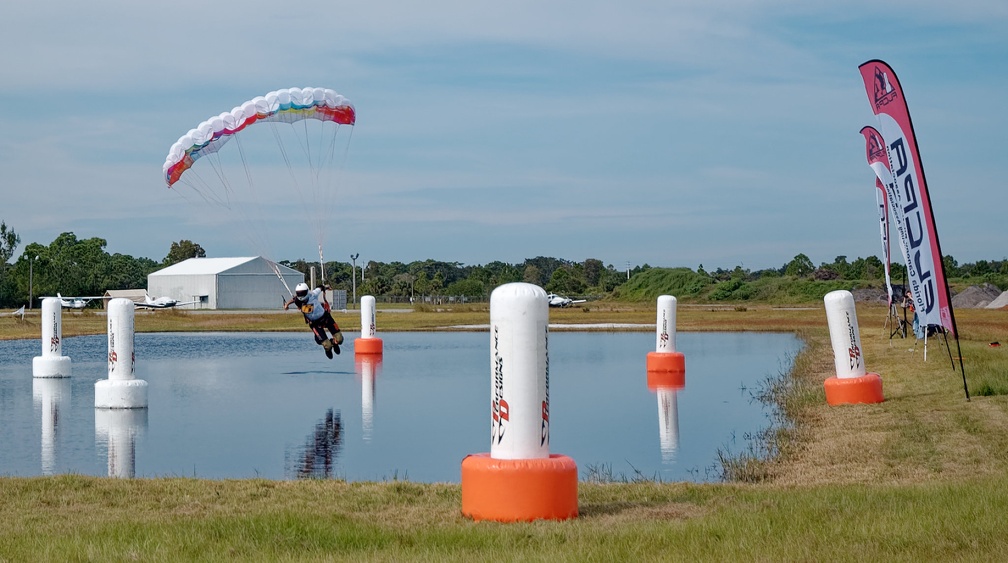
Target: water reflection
<point x="668" y="423"/>
<point x="246" y="405"/>
<point x="317" y="457"/>
<point x="118" y="430"/>
<point x="367" y="368"/>
<point x="51" y="396"/>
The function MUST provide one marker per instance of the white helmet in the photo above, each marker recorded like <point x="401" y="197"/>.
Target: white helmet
<point x="301" y="290"/>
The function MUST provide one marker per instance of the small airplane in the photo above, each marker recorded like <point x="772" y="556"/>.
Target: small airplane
<point x="561" y="301"/>
<point x="161" y="302"/>
<point x="74" y="302"/>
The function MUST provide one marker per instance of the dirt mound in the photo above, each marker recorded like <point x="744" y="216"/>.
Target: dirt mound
<point x="870" y="295"/>
<point x="999" y="302"/>
<point x="976" y="296"/>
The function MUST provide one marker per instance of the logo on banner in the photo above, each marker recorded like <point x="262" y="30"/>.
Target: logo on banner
<point x="919" y="267"/>
<point x="884" y="92"/>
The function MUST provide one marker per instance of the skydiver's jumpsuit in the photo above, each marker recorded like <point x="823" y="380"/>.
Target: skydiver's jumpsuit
<point x="316" y="315"/>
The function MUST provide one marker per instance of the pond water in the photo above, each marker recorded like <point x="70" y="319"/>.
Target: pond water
<point x="271" y="405"/>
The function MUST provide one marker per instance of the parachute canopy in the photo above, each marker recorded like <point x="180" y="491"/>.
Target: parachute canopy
<point x="286" y="105"/>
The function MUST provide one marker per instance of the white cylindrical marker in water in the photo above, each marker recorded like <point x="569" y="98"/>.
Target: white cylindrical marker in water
<point x="52" y="362"/>
<point x="121" y="390"/>
<point x="367" y="317"/>
<point x="519" y="372"/>
<point x="368" y="343"/>
<point x="841" y="317"/>
<point x="665" y="328"/>
<point x="666" y="367"/>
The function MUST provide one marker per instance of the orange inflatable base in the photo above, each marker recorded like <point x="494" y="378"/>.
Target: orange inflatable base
<point x="367" y="345"/>
<point x="674" y="362"/>
<point x="854" y="390"/>
<point x="665" y="370"/>
<point x="519" y="490"/>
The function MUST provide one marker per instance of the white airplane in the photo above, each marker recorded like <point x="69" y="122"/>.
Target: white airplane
<point x="74" y="302"/>
<point x="162" y="302"/>
<point x="561" y="301"/>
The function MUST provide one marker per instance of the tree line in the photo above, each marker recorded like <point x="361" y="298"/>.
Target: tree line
<point x="78" y="267"/>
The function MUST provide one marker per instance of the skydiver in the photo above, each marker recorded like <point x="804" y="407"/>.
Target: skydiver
<point x="315" y="307"/>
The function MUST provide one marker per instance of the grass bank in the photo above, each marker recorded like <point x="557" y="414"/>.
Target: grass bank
<point x="922" y="476"/>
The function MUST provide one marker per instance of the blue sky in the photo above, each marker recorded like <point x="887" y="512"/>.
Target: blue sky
<point x="667" y="133"/>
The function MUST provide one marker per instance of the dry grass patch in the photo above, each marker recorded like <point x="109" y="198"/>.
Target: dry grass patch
<point x="924" y="431"/>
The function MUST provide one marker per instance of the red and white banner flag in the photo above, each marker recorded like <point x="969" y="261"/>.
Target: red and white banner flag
<point x="910" y="194"/>
<point x="879" y="162"/>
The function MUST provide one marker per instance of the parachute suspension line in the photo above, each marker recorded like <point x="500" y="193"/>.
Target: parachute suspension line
<point x="276" y="270"/>
<point x="205" y="189"/>
<point x="321" y="262"/>
<point x="324" y="181"/>
<point x="258" y="234"/>
<point x="308" y="201"/>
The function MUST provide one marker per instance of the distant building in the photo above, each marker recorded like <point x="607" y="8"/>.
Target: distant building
<point x="134" y="295"/>
<point x="224" y="283"/>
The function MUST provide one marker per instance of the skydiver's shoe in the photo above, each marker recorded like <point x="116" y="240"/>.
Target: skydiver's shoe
<point x="328" y="349"/>
<point x="335" y="346"/>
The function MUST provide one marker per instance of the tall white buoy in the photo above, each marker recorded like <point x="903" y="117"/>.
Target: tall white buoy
<point x="852" y="383"/>
<point x="51" y="397"/>
<point x="519" y="479"/>
<point x="368" y="343"/>
<point x="121" y="390"/>
<point x="665" y="327"/>
<point x="666" y="366"/>
<point x="519" y="378"/>
<point x="52" y="362"/>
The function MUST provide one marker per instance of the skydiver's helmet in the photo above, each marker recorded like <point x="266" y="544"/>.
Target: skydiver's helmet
<point x="301" y="290"/>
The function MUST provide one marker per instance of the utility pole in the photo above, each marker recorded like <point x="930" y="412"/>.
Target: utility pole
<point x="353" y="274"/>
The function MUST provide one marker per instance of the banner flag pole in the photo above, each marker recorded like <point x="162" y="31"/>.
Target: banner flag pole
<point x="911" y="201"/>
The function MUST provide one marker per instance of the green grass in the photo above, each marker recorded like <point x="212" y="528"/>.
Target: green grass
<point x="922" y="476"/>
<point x="87" y="518"/>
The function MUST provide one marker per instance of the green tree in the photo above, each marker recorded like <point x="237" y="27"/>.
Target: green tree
<point x="9" y="241"/>
<point x="532" y="274"/>
<point x="565" y="282"/>
<point x="183" y="250"/>
<point x="545" y="266"/>
<point x="592" y="269"/>
<point x="951" y="266"/>
<point x="422" y="285"/>
<point x="467" y="287"/>
<point x="799" y="266"/>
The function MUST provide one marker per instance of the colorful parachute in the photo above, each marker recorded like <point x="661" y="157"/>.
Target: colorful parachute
<point x="286" y="105"/>
<point x="244" y="185"/>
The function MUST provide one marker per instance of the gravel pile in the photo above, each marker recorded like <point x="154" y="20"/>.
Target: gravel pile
<point x="976" y="296"/>
<point x="999" y="302"/>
